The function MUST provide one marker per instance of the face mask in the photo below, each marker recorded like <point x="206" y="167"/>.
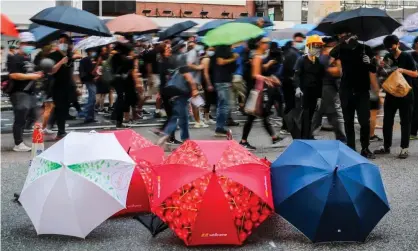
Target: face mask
<point x="198" y="47"/>
<point x="28" y="49"/>
<point x="299" y="46"/>
<point x="63" y="47"/>
<point x="93" y="54"/>
<point x="210" y="53"/>
<point x="315" y="52"/>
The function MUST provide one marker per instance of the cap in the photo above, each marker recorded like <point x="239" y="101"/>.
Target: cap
<point x="26" y="37"/>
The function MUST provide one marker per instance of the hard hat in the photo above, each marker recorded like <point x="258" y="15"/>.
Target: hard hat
<point x="314" y="39"/>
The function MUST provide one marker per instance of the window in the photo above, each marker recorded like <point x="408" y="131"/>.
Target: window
<point x="259" y="14"/>
<point x="92" y="7"/>
<point x="109" y="8"/>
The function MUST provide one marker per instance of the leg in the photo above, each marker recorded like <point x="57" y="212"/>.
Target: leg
<point x="111" y="98"/>
<point x="61" y="111"/>
<point x="390" y="107"/>
<point x="183" y="118"/>
<point x="348" y="110"/>
<point x="49" y="106"/>
<point x="89" y="107"/>
<point x="223" y="105"/>
<point x="405" y="114"/>
<point x="414" y="124"/>
<point x="373" y="118"/>
<point x="247" y="127"/>
<point x="363" y="113"/>
<point x="20" y="111"/>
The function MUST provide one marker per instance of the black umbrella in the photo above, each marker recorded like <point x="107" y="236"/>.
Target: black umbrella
<point x="176" y="29"/>
<point x="44" y="34"/>
<point x="366" y="23"/>
<point x="325" y="26"/>
<point x="72" y="20"/>
<point x="152" y="222"/>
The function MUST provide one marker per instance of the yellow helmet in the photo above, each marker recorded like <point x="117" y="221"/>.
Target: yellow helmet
<point x="314" y="39"/>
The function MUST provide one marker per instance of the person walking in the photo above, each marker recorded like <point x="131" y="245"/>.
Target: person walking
<point x="86" y="73"/>
<point x="414" y="124"/>
<point x="406" y="65"/>
<point x="207" y="84"/>
<point x="358" y="75"/>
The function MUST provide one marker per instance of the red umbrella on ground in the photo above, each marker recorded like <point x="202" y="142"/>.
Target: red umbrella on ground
<point x="8" y="28"/>
<point x="145" y="154"/>
<point x="132" y="24"/>
<point x="212" y="192"/>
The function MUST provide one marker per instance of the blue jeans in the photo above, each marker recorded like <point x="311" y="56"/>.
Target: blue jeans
<point x="181" y="113"/>
<point x="223" y="90"/>
<point x="88" y="110"/>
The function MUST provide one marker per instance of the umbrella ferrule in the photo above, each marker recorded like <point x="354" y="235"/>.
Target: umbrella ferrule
<point x="213" y="170"/>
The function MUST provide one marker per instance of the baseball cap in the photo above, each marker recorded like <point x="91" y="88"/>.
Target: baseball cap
<point x="26" y="37"/>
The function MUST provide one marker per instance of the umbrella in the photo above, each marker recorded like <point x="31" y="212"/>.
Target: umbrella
<point x="145" y="154"/>
<point x="253" y="20"/>
<point x="366" y="23"/>
<point x="211" y="25"/>
<point x="94" y="41"/>
<point x="152" y="222"/>
<point x="44" y="34"/>
<point x="410" y="24"/>
<point x="71" y="19"/>
<point x="8" y="28"/>
<point x="325" y="25"/>
<point x="409" y="39"/>
<point x="212" y="192"/>
<point x="176" y="29"/>
<point x="231" y="33"/>
<point x="377" y="44"/>
<point x="328" y="191"/>
<point x="286" y="33"/>
<point x="76" y="184"/>
<point x="132" y="24"/>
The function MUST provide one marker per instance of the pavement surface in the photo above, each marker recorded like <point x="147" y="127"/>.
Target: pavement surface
<point x="398" y="230"/>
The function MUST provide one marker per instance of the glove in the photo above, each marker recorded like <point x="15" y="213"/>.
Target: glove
<point x="298" y="93"/>
<point x="366" y="59"/>
<point x="318" y="104"/>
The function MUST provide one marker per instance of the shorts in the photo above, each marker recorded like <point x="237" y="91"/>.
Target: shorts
<point x="153" y="90"/>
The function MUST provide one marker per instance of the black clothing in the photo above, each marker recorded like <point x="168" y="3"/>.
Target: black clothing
<point x="356" y="74"/>
<point x="308" y="76"/>
<point x="223" y="73"/>
<point x="291" y="55"/>
<point x="21" y="64"/>
<point x="151" y="57"/>
<point x="414" y="123"/>
<point x="86" y="70"/>
<point x="24" y="107"/>
<point x="404" y="61"/>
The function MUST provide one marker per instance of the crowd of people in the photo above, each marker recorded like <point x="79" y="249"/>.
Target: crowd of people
<point x="333" y="76"/>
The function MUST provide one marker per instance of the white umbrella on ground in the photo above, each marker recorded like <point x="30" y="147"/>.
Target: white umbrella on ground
<point x="76" y="184"/>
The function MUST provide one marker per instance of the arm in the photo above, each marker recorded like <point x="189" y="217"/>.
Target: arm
<point x="223" y="61"/>
<point x="189" y="78"/>
<point x="335" y="70"/>
<point x="412" y="68"/>
<point x="267" y="65"/>
<point x="25" y="76"/>
<point x="205" y="63"/>
<point x="297" y="83"/>
<point x="135" y="76"/>
<point x="58" y="65"/>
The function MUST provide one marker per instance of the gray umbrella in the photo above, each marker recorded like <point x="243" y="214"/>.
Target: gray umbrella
<point x="286" y="33"/>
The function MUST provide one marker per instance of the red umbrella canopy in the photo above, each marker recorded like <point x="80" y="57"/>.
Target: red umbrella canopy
<point x="145" y="154"/>
<point x="132" y="24"/>
<point x="212" y="192"/>
<point x="8" y="28"/>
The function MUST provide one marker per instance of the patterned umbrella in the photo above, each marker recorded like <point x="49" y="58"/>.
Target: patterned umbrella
<point x="94" y="41"/>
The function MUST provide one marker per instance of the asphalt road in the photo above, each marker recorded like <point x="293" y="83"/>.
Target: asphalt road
<point x="398" y="230"/>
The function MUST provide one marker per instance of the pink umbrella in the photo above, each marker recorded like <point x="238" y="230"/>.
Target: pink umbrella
<point x="131" y="24"/>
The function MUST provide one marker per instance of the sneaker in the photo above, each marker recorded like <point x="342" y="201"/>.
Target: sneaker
<point x="413" y="137"/>
<point x="276" y="141"/>
<point x="22" y="148"/>
<point x="247" y="146"/>
<point x="404" y="153"/>
<point x="200" y="125"/>
<point x="232" y="123"/>
<point x="48" y="131"/>
<point x="367" y="153"/>
<point x="221" y="133"/>
<point x="284" y="132"/>
<point x="174" y="142"/>
<point x="375" y="138"/>
<point x="161" y="141"/>
<point x="382" y="150"/>
<point x="210" y="122"/>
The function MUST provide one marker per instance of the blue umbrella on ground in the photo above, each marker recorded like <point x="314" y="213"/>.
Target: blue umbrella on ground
<point x="44" y="34"/>
<point x="211" y="25"/>
<point x="72" y="20"/>
<point x="328" y="191"/>
<point x="253" y="20"/>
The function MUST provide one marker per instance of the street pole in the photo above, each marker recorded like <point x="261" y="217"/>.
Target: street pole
<point x="100" y="8"/>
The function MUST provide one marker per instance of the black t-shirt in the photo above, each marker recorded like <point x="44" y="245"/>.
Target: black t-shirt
<point x="356" y="74"/>
<point x="310" y="75"/>
<point x="151" y="57"/>
<point x="21" y="64"/>
<point x="64" y="76"/>
<point x="223" y="73"/>
<point x="404" y="61"/>
<point x="86" y="70"/>
<point x="414" y="55"/>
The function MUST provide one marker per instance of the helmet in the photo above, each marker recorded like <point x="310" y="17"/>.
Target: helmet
<point x="314" y="39"/>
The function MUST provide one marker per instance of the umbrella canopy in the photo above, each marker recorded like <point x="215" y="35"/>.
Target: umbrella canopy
<point x="232" y="33"/>
<point x="366" y="23"/>
<point x="212" y="192"/>
<point x="325" y="25"/>
<point x="94" y="41"/>
<point x="145" y="154"/>
<point x="377" y="44"/>
<point x="8" y="28"/>
<point x="286" y="33"/>
<point x="253" y="20"/>
<point x="211" y="25"/>
<point x="176" y="29"/>
<point x="410" y="24"/>
<point x="44" y="34"/>
<point x="328" y="191"/>
<point x="409" y="39"/>
<point x="76" y="184"/>
<point x="71" y="19"/>
<point x="132" y="24"/>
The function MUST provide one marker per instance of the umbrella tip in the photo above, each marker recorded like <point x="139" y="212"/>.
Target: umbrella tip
<point x="213" y="170"/>
<point x="129" y="149"/>
<point x="336" y="168"/>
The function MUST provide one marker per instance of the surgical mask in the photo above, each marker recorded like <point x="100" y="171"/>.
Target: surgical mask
<point x="210" y="53"/>
<point x="299" y="46"/>
<point x="28" y="49"/>
<point x="198" y="47"/>
<point x="63" y="47"/>
<point x="314" y="52"/>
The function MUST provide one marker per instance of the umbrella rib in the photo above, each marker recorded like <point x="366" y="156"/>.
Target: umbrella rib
<point x="318" y="153"/>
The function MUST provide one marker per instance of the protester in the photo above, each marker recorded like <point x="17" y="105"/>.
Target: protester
<point x="22" y="77"/>
<point x="258" y="79"/>
<point x="102" y="87"/>
<point x="406" y="65"/>
<point x="414" y="124"/>
<point x="86" y="73"/>
<point x="358" y="76"/>
<point x="375" y="101"/>
<point x="238" y="89"/>
<point x="331" y="104"/>
<point x="207" y="84"/>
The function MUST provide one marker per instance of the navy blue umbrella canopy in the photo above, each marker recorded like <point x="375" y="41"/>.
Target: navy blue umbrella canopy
<point x="328" y="191"/>
<point x="211" y="25"/>
<point x="253" y="20"/>
<point x="44" y="34"/>
<point x="175" y="30"/>
<point x="325" y="25"/>
<point x="72" y="20"/>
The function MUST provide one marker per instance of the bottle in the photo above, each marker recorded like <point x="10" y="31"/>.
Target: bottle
<point x="37" y="140"/>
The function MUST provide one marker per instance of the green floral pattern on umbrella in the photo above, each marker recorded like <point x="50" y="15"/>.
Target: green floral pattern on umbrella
<point x="39" y="168"/>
